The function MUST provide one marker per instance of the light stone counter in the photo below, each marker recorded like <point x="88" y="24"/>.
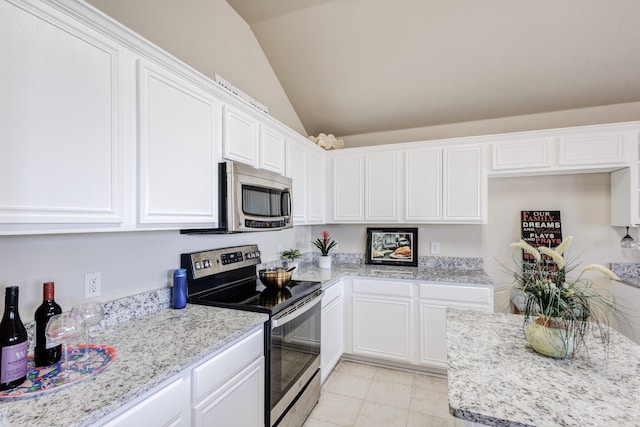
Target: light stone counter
<point x="450" y="273"/>
<point x="150" y="349"/>
<point x="496" y="379"/>
<point x="629" y="273"/>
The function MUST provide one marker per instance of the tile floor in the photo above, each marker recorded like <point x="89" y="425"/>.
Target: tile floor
<point x="357" y="395"/>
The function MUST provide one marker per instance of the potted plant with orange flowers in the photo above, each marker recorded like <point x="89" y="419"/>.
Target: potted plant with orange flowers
<point x="325" y="245"/>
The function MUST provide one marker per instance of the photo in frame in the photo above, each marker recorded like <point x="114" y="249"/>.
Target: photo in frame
<point x="392" y="246"/>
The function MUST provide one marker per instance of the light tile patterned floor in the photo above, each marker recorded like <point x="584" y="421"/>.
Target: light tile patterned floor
<point x="358" y="395"/>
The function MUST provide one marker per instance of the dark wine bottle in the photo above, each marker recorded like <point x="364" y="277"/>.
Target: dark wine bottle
<point x="14" y="344"/>
<point x="46" y="354"/>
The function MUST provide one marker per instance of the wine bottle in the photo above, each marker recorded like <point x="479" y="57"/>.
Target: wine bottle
<point x="46" y="353"/>
<point x="14" y="344"/>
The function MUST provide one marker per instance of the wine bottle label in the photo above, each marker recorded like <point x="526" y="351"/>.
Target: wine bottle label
<point x="14" y="362"/>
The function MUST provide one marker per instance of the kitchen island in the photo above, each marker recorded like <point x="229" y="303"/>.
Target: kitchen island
<point x="496" y="379"/>
<point x="150" y="349"/>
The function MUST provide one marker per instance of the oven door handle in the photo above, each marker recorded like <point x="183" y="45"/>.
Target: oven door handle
<point x="279" y="321"/>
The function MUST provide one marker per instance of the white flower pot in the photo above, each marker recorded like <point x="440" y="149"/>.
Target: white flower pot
<point x="325" y="262"/>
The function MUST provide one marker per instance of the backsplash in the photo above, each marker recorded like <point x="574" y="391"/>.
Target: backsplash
<point x="459" y="263"/>
<point x="136" y="306"/>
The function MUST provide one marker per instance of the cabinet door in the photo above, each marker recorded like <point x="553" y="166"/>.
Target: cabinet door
<point x="382" y="327"/>
<point x="598" y="149"/>
<point x="381" y="187"/>
<point x="332" y="336"/>
<point x="296" y="169"/>
<point x="529" y="154"/>
<point x="240" y="137"/>
<point x="464" y="185"/>
<point x="433" y="335"/>
<point x="423" y="185"/>
<point x="272" y="146"/>
<point x="61" y="120"/>
<point x="239" y="402"/>
<point x="348" y="188"/>
<point x="316" y="187"/>
<point x="180" y="130"/>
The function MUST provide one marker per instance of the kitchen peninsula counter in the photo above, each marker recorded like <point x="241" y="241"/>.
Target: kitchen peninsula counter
<point x="150" y="350"/>
<point x="496" y="379"/>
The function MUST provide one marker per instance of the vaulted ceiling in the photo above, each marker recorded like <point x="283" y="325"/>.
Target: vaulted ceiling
<point x="360" y="66"/>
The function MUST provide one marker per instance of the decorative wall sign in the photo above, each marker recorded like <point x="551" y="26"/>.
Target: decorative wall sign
<point x="392" y="246"/>
<point x="541" y="228"/>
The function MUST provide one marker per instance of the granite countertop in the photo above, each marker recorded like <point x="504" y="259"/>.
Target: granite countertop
<point x="628" y="273"/>
<point x="150" y="350"/>
<point x="429" y="274"/>
<point x="496" y="379"/>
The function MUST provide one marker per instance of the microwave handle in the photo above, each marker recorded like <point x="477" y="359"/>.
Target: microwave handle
<point x="288" y="202"/>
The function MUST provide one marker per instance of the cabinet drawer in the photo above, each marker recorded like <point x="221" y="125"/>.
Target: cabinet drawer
<point x="213" y="373"/>
<point x="162" y="408"/>
<point x="331" y="293"/>
<point x="383" y="287"/>
<point x="455" y="293"/>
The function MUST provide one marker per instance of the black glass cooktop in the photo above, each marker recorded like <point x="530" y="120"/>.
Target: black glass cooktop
<point x="252" y="295"/>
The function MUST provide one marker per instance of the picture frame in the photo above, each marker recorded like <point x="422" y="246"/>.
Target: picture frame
<point x="392" y="246"/>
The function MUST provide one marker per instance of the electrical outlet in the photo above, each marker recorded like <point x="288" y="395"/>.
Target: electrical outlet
<point x="92" y="285"/>
<point x="435" y="248"/>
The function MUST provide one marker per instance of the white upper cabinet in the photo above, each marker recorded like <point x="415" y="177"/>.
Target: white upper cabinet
<point x="348" y="188"/>
<point x="240" y="141"/>
<point x="248" y="140"/>
<point x="445" y="184"/>
<point x="382" y="192"/>
<point x="366" y="187"/>
<point x="592" y="149"/>
<point x="532" y="154"/>
<point x="180" y="129"/>
<point x="305" y="165"/>
<point x="423" y="185"/>
<point x="571" y="150"/>
<point x="271" y="153"/>
<point x="297" y="168"/>
<point x="464" y="184"/>
<point x="62" y="125"/>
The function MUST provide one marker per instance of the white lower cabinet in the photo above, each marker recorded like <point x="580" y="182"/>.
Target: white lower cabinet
<point x="434" y="299"/>
<point x="382" y="319"/>
<point x="331" y="332"/>
<point x="226" y="390"/>
<point x="166" y="405"/>
<point x="405" y="321"/>
<point x="627" y="298"/>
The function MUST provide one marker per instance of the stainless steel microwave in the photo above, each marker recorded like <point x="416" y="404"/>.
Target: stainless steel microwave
<point x="250" y="199"/>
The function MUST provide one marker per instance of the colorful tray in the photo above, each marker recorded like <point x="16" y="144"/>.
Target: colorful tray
<point x="45" y="379"/>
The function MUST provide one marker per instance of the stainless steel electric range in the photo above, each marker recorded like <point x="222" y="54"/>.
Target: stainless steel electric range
<point x="227" y="277"/>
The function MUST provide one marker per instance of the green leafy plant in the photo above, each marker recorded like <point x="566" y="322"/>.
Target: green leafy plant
<point x="554" y="300"/>
<point x="325" y="244"/>
<point x="291" y="254"/>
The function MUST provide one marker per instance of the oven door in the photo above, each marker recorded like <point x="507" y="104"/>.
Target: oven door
<point x="295" y="363"/>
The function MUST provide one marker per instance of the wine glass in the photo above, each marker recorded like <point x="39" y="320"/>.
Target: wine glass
<point x="91" y="313"/>
<point x="62" y="329"/>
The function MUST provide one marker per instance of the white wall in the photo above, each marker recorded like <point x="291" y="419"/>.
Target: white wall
<point x="212" y="38"/>
<point x="130" y="263"/>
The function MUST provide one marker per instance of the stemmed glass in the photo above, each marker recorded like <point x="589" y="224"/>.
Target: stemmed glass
<point x="62" y="329"/>
<point x="91" y="313"/>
